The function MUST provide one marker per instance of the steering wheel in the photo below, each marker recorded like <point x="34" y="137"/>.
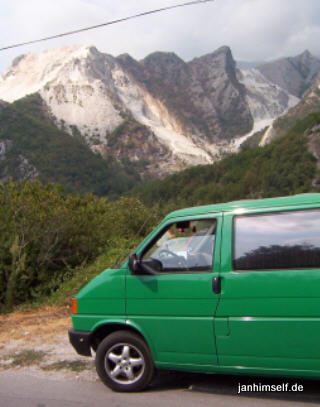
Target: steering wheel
<point x="165" y="251"/>
<point x="181" y="259"/>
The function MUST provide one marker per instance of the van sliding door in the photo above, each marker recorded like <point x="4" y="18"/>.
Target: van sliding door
<point x="270" y="298"/>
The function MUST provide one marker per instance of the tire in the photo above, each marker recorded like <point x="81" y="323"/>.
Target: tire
<point x="124" y="362"/>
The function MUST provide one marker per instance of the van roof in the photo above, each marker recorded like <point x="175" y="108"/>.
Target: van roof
<point x="294" y="200"/>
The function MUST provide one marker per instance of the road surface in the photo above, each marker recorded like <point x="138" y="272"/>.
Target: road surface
<point x="22" y="389"/>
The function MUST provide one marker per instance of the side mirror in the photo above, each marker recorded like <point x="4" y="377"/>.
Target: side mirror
<point x="138" y="267"/>
<point x="133" y="263"/>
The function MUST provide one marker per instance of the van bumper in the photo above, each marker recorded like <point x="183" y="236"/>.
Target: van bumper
<point x="80" y="340"/>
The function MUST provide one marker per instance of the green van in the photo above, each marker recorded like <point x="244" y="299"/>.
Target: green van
<point x="226" y="288"/>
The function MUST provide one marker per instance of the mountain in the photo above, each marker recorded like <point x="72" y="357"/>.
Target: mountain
<point x="32" y="146"/>
<point x="91" y="92"/>
<point x="158" y="115"/>
<point x="293" y="74"/>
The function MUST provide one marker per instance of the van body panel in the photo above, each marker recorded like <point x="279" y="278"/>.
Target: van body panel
<point x="103" y="297"/>
<point x="240" y="370"/>
<point x="268" y="204"/>
<point x="93" y="322"/>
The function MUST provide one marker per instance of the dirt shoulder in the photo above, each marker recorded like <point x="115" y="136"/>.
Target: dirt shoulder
<point x="37" y="341"/>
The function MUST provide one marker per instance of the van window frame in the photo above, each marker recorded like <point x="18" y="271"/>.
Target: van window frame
<point x="215" y="217"/>
<point x="273" y="211"/>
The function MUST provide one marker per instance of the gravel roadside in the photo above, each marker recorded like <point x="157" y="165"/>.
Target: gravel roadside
<point x="37" y="341"/>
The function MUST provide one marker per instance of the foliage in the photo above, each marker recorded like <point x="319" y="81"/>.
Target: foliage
<point x="306" y="108"/>
<point x="129" y="125"/>
<point x="254" y="140"/>
<point x="116" y="253"/>
<point x="33" y="105"/>
<point x="46" y="235"/>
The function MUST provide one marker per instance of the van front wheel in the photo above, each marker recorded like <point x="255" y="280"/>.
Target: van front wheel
<point x="124" y="362"/>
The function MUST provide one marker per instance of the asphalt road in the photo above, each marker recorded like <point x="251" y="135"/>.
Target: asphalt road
<point x="171" y="390"/>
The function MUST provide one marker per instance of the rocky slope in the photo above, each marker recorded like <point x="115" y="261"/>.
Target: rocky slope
<point x="204" y="95"/>
<point x="309" y="103"/>
<point x="293" y="74"/>
<point x="266" y="100"/>
<point x="162" y="113"/>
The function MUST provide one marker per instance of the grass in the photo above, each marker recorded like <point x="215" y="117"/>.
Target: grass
<point x="74" y="365"/>
<point x="26" y="357"/>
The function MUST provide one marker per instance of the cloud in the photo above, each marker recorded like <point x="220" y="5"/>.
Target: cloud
<point x="254" y="29"/>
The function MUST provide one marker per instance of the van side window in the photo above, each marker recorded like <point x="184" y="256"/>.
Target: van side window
<point x="283" y="240"/>
<point x="185" y="246"/>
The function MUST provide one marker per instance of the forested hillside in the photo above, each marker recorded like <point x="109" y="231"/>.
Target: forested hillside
<point x="284" y="167"/>
<point x="33" y="146"/>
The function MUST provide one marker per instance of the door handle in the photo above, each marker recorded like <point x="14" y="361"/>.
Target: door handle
<point x="216" y="285"/>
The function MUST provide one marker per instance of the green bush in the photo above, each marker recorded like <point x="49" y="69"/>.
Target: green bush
<point x="46" y="235"/>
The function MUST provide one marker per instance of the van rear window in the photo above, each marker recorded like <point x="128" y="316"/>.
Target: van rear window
<point x="283" y="240"/>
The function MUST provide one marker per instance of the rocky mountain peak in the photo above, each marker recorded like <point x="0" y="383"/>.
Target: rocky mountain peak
<point x="132" y="66"/>
<point x="163" y="64"/>
<point x="222" y="58"/>
<point x="217" y="74"/>
<point x="160" y="57"/>
<point x="219" y="64"/>
<point x="224" y="55"/>
<point x="126" y="58"/>
<point x="306" y="55"/>
<point x="294" y="74"/>
<point x="307" y="65"/>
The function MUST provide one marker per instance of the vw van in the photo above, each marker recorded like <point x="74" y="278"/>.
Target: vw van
<point x="226" y="288"/>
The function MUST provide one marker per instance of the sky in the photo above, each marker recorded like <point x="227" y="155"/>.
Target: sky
<point x="256" y="30"/>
